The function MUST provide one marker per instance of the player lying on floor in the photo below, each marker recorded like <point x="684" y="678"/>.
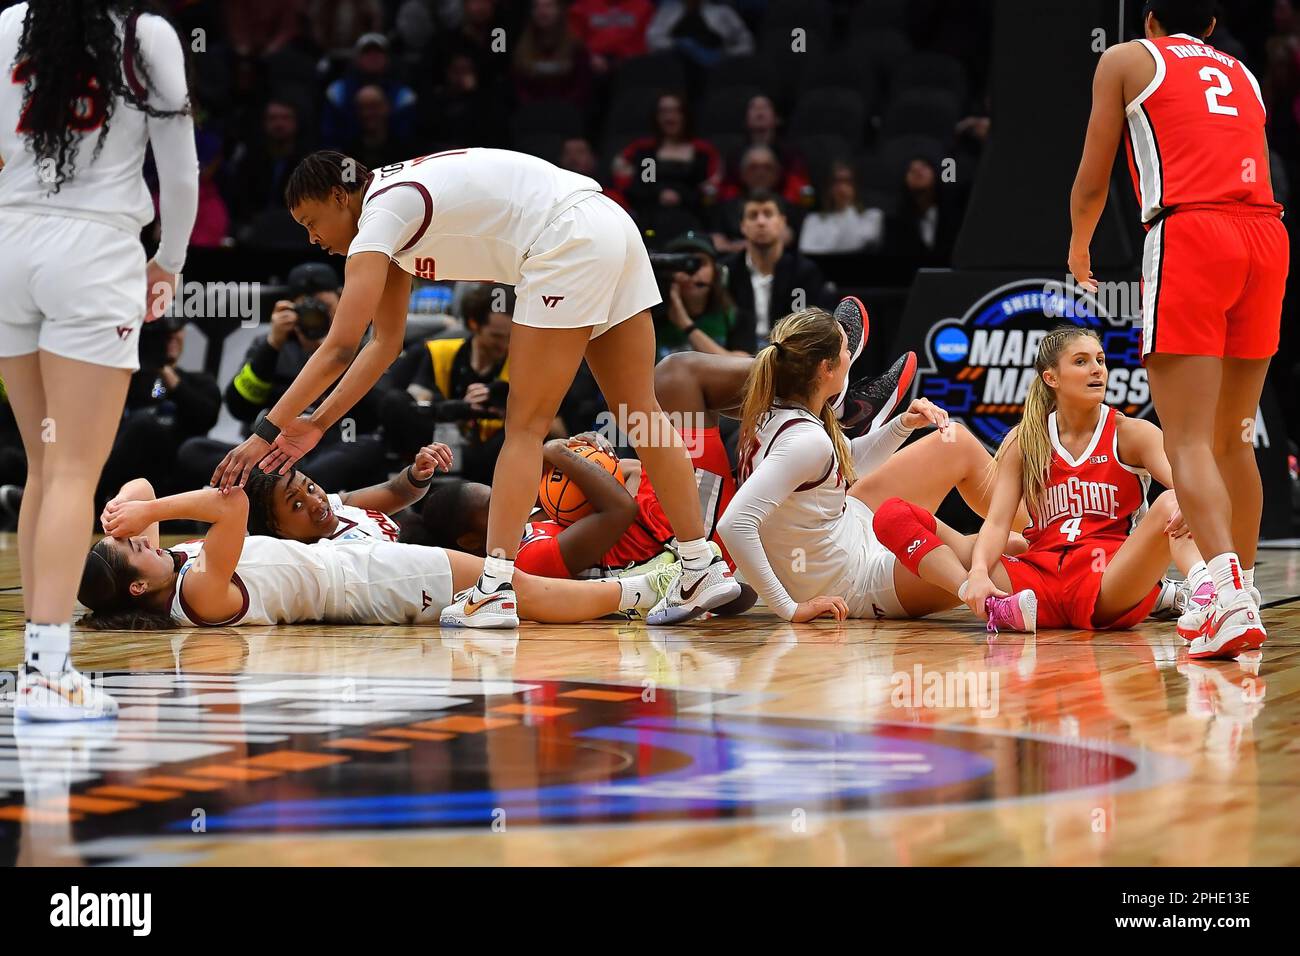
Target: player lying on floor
<point x="799" y="526"/>
<point x="295" y="507"/>
<point x="1096" y="555"/>
<point x="628" y="526"/>
<point x="229" y="578"/>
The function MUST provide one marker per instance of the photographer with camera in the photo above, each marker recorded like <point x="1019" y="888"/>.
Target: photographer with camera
<point x="697" y="312"/>
<point x="165" y="405"/>
<point x="351" y="454"/>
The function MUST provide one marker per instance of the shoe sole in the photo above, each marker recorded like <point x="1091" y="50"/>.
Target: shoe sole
<point x="901" y="391"/>
<point x="1248" y="640"/>
<point x="1030" y="613"/>
<point x="479" y="620"/>
<point x="1187" y="635"/>
<point x="866" y="323"/>
<point x="710" y="598"/>
<point x="59" y="715"/>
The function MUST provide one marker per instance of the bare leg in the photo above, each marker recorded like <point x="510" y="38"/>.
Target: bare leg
<point x="543" y="363"/>
<point x="700" y="383"/>
<point x="1234" y="450"/>
<point x="545" y="600"/>
<point x="942" y="572"/>
<point x="925" y="471"/>
<point x="623" y="361"/>
<point x="68" y="434"/>
<point x="1139" y="564"/>
<point x="1179" y="384"/>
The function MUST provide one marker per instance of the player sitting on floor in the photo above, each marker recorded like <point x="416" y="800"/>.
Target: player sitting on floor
<point x="799" y="526"/>
<point x="1083" y="470"/>
<point x="230" y="578"/>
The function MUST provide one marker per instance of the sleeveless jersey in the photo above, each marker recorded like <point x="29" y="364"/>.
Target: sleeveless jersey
<point x="481" y="211"/>
<point x="361" y="524"/>
<point x="1093" y="496"/>
<point x="1196" y="133"/>
<point x="281" y="582"/>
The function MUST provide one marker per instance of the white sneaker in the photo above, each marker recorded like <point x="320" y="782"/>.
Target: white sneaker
<point x="69" y="695"/>
<point x="694" y="592"/>
<point x="472" y="608"/>
<point x="1230" y="630"/>
<point x="1196" y="608"/>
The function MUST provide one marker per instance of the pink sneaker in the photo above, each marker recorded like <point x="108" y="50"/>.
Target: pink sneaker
<point x="1019" y="612"/>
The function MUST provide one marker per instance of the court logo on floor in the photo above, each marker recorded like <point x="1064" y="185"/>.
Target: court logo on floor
<point x="247" y="754"/>
<point x="981" y="364"/>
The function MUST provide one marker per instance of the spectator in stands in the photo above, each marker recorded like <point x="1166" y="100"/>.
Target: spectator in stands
<point x="701" y="30"/>
<point x="770" y="279"/>
<point x="370" y="67"/>
<point x="165" y="405"/>
<point x="760" y="171"/>
<point x="670" y="177"/>
<point x="336" y="25"/>
<point x="351" y="454"/>
<point x="842" y="225"/>
<point x="763" y="128"/>
<point x="549" y="62"/>
<point x="375" y="145"/>
<point x="257" y="27"/>
<point x="463" y="380"/>
<point x="611" y="30"/>
<point x="924" y="229"/>
<point x="258" y="170"/>
<point x="577" y="155"/>
<point x="698" y="313"/>
<point x="476" y="37"/>
<point x="462" y="111"/>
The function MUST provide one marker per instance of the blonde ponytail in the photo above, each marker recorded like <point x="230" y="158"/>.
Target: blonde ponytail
<point x="785" y="370"/>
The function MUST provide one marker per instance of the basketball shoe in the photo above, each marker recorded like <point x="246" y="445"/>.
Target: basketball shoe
<point x="870" y="402"/>
<point x="68" y="695"/>
<point x="1017" y="612"/>
<point x="1196" y="608"/>
<point x="1230" y="629"/>
<point x="474" y="608"/>
<point x="694" y="592"/>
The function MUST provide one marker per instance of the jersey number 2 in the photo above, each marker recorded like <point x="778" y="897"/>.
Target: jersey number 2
<point x="1223" y="88"/>
<point x="1072" y="528"/>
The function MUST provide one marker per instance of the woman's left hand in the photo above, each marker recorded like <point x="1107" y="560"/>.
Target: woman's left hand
<point x="295" y="440"/>
<point x="429" y="459"/>
<point x="1177" y="526"/>
<point x="125" y="518"/>
<point x="924" y="412"/>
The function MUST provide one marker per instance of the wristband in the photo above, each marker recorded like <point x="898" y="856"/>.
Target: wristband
<point x="689" y="329"/>
<point x="417" y="482"/>
<point x="267" y="430"/>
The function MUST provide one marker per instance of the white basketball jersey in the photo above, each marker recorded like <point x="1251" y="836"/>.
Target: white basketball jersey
<point x="282" y="582"/>
<point x="107" y="188"/>
<point x="478" y="212"/>
<point x="811" y="541"/>
<point x="361" y="524"/>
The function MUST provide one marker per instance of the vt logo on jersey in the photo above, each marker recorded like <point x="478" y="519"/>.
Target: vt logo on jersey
<point x="980" y="365"/>
<point x="550" y="301"/>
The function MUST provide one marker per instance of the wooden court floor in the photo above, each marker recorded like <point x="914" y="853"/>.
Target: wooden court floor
<point x="734" y="742"/>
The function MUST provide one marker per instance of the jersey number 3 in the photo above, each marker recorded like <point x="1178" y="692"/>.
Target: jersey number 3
<point x="88" y="114"/>
<point x="1220" y="89"/>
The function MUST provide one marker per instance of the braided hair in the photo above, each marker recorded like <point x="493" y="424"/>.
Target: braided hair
<point x="260" y="489"/>
<point x="74" y="47"/>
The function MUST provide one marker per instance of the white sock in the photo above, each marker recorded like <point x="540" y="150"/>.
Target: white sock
<point x="48" y="647"/>
<point x="1197" y="576"/>
<point x="637" y="593"/>
<point x="1228" y="582"/>
<point x="1248" y="578"/>
<point x="696" y="554"/>
<point x="496" y="571"/>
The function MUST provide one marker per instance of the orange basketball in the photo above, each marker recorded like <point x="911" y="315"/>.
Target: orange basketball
<point x="561" y="498"/>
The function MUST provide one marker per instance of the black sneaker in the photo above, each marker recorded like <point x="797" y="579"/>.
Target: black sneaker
<point x="852" y="317"/>
<point x="11" y="500"/>
<point x="871" y="402"/>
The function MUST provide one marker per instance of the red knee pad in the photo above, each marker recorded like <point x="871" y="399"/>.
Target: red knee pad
<point x="908" y="531"/>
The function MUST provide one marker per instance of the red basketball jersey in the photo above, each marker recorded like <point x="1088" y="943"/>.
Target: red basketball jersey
<point x="1196" y="133"/>
<point x="1093" y="496"/>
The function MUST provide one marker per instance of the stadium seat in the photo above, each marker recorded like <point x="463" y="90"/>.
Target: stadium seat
<point x="655" y="70"/>
<point x="894" y="154"/>
<point x="930" y="71"/>
<point x="738" y="71"/>
<point x="548" y="146"/>
<point x="558" y="117"/>
<point x="723" y="111"/>
<point x="631" y="115"/>
<point x="845" y="73"/>
<point x="784" y="16"/>
<point x="925" y="112"/>
<point x="871" y="16"/>
<point x="882" y="50"/>
<point x="830" y="111"/>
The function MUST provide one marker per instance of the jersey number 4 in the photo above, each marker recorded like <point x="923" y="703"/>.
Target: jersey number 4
<point x="87" y="114"/>
<point x="1072" y="528"/>
<point x="1222" y="87"/>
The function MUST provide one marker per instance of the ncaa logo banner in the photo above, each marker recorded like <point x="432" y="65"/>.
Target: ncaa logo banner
<point x="980" y="365"/>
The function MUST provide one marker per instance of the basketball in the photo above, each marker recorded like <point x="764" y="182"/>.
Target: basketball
<point x="561" y="498"/>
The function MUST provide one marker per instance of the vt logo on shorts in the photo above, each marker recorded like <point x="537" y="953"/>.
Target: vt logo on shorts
<point x="124" y="332"/>
<point x="427" y="600"/>
<point x="550" y="300"/>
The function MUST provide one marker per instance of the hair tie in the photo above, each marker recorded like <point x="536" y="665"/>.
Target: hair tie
<point x="779" y="350"/>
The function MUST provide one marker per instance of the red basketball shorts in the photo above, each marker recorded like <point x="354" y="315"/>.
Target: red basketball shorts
<point x="1213" y="277"/>
<point x="1067" y="584"/>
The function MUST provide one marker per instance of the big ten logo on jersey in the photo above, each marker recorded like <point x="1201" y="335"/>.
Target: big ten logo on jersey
<point x="385" y="524"/>
<point x="980" y="365"/>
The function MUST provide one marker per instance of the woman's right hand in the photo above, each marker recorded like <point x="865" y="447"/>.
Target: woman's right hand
<point x="979" y="588"/>
<point x="819" y="606"/>
<point x="125" y="518"/>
